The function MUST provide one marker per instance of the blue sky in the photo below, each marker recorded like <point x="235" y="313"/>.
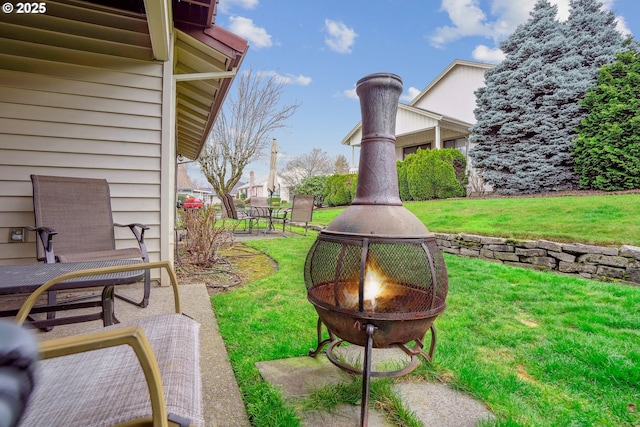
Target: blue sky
<point x="321" y="48"/>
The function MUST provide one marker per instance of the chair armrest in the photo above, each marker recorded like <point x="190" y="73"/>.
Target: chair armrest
<point x="31" y="300"/>
<point x="46" y="237"/>
<point x="286" y="213"/>
<point x="133" y="336"/>
<point x="134" y="225"/>
<point x="139" y="237"/>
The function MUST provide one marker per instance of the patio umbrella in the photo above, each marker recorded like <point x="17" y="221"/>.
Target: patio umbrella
<point x="272" y="182"/>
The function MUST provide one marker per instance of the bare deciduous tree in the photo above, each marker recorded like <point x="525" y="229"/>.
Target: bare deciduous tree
<point x="341" y="165"/>
<point x="315" y="163"/>
<point x="243" y="129"/>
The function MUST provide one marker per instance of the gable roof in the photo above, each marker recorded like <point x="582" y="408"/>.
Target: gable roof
<point x="450" y="67"/>
<point x="422" y="115"/>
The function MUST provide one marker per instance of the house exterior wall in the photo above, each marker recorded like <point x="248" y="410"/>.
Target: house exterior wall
<point x="75" y="113"/>
<point x="406" y="122"/>
<point x="260" y="190"/>
<point x="454" y="94"/>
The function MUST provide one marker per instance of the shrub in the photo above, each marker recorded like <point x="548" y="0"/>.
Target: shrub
<point x="436" y="174"/>
<point x="205" y="238"/>
<point x="403" y="182"/>
<point x="339" y="190"/>
<point x="313" y="185"/>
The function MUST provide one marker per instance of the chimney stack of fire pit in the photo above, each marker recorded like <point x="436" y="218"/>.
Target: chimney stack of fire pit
<point x="375" y="274"/>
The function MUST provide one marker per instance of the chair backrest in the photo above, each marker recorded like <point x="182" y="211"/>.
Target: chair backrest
<point x="258" y="201"/>
<point x="226" y="212"/>
<point x="232" y="212"/>
<point x="302" y="208"/>
<point x="79" y="209"/>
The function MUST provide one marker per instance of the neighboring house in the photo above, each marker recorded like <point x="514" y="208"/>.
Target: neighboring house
<point x="439" y="117"/>
<point x="259" y="189"/>
<point x="118" y="93"/>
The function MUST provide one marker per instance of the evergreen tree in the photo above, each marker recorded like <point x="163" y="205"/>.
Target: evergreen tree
<point x="313" y="185"/>
<point x="527" y="112"/>
<point x="592" y="41"/>
<point x="607" y="150"/>
<point x="511" y="133"/>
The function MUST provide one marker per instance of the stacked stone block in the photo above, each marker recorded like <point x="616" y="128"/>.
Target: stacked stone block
<point x="588" y="261"/>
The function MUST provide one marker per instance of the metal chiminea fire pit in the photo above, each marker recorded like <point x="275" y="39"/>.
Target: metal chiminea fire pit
<point x="375" y="275"/>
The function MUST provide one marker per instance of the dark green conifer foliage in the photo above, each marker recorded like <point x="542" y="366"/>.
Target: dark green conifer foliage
<point x="527" y="112"/>
<point x="432" y="174"/>
<point x="607" y="150"/>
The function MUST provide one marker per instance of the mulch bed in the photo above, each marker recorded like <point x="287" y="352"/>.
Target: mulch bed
<point x="237" y="265"/>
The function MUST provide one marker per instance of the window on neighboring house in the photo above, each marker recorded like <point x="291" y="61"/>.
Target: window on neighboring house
<point x="459" y="144"/>
<point x="410" y="150"/>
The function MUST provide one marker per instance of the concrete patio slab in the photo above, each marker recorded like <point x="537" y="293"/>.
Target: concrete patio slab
<point x="435" y="405"/>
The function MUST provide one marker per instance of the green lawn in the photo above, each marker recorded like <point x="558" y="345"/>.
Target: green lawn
<point x="606" y="219"/>
<point x="539" y="349"/>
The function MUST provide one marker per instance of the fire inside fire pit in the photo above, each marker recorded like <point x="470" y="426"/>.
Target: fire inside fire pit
<point x="375" y="275"/>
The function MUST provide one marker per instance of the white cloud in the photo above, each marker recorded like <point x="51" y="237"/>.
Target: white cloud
<point x="341" y="38"/>
<point x="225" y="6"/>
<point x="483" y="53"/>
<point x="468" y="19"/>
<point x="563" y="9"/>
<point x="288" y="79"/>
<point x="350" y="93"/>
<point x="621" y="26"/>
<point x="244" y="27"/>
<point x="412" y="92"/>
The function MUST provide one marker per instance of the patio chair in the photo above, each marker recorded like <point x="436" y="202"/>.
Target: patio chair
<point x="301" y="211"/>
<point x="257" y="207"/>
<point x="234" y="213"/>
<point x="77" y="211"/>
<point x="144" y="372"/>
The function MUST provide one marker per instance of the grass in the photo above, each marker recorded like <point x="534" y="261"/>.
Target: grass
<point x="600" y="219"/>
<point x="539" y="349"/>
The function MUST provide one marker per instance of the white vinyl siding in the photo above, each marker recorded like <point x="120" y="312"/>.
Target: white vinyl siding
<point x="84" y="114"/>
<point x="454" y="94"/>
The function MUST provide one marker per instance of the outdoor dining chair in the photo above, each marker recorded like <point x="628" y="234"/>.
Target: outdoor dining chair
<point x="77" y="211"/>
<point x="234" y="213"/>
<point x="301" y="211"/>
<point x="258" y="207"/>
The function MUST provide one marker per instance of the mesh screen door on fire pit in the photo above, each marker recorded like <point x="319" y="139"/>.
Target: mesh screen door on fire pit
<point x="398" y="284"/>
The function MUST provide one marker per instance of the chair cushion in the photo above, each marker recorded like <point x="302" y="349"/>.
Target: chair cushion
<point x="107" y="386"/>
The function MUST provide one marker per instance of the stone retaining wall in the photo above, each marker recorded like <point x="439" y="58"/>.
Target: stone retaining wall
<point x="592" y="262"/>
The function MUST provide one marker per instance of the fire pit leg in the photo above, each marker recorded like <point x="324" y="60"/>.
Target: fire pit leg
<point x="434" y="339"/>
<point x="321" y="342"/>
<point x="366" y="376"/>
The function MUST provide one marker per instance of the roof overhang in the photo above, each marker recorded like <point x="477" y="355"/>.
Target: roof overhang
<point x="423" y="127"/>
<point x="205" y="56"/>
<point x="205" y="62"/>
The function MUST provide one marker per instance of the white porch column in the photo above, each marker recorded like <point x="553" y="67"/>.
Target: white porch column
<point x="438" y="141"/>
<point x="353" y="157"/>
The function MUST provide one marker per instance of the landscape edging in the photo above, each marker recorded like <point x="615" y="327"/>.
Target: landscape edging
<point x="589" y="261"/>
